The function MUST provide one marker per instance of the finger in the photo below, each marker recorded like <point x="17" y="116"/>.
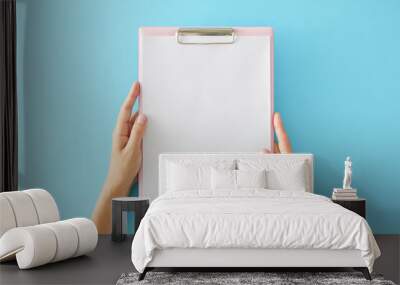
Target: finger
<point x="265" y="151"/>
<point x="122" y="127"/>
<point x="137" y="132"/>
<point x="132" y="120"/>
<point x="276" y="148"/>
<point x="121" y="141"/>
<point x="283" y="139"/>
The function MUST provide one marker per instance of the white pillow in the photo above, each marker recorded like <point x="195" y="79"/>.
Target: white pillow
<point x="237" y="179"/>
<point x="251" y="178"/>
<point x="281" y="174"/>
<point x="223" y="179"/>
<point x="193" y="174"/>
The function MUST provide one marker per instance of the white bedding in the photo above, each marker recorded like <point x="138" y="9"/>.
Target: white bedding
<point x="250" y="218"/>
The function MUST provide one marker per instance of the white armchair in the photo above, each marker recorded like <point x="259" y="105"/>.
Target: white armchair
<point x="31" y="232"/>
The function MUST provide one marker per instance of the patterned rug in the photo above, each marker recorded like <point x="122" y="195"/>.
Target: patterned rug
<point x="269" y="278"/>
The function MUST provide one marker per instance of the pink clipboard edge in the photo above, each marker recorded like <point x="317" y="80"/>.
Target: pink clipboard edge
<point x="240" y="31"/>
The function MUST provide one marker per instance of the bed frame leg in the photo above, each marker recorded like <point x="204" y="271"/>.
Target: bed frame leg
<point x="364" y="271"/>
<point x="143" y="274"/>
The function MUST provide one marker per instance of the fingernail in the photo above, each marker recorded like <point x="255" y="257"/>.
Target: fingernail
<point x="135" y="85"/>
<point x="142" y="119"/>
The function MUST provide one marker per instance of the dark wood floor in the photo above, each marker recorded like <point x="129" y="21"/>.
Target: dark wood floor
<point x="102" y="266"/>
<point x="389" y="262"/>
<point x="110" y="260"/>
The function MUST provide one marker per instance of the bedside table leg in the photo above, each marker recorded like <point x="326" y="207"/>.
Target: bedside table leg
<point x="117" y="234"/>
<point x="140" y="211"/>
<point x="138" y="218"/>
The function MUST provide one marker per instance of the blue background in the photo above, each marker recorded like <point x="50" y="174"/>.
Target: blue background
<point x="337" y="85"/>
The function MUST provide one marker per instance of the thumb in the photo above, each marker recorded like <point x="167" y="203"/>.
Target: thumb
<point x="137" y="131"/>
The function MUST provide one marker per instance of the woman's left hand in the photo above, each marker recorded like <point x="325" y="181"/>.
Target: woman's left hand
<point x="283" y="144"/>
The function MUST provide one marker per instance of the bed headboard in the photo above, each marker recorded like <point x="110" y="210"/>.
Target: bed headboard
<point x="171" y="157"/>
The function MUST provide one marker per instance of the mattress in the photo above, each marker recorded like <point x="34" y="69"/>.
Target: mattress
<point x="250" y="219"/>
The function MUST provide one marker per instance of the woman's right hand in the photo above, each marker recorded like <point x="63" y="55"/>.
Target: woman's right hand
<point x="126" y="159"/>
<point x="126" y="153"/>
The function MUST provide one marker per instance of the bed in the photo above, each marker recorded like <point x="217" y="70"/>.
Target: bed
<point x="245" y="210"/>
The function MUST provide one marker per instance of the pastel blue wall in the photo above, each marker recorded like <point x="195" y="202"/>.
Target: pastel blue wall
<point x="337" y="68"/>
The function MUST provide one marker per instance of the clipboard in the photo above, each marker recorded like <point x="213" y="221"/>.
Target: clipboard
<point x="204" y="90"/>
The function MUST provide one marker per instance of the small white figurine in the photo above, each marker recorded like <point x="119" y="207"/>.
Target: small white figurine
<point x="347" y="174"/>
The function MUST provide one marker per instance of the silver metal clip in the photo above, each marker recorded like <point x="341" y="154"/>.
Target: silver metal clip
<point x="205" y="36"/>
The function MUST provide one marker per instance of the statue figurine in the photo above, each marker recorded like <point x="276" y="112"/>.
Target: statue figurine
<point x="347" y="174"/>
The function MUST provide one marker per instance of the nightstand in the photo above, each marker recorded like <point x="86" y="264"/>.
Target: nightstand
<point x="120" y="207"/>
<point x="358" y="205"/>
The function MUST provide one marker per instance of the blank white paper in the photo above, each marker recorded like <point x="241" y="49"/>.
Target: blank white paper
<point x="203" y="98"/>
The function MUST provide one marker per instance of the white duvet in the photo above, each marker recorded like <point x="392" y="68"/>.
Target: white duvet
<point x="251" y="218"/>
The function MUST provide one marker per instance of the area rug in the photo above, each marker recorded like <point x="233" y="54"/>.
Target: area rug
<point x="269" y="278"/>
